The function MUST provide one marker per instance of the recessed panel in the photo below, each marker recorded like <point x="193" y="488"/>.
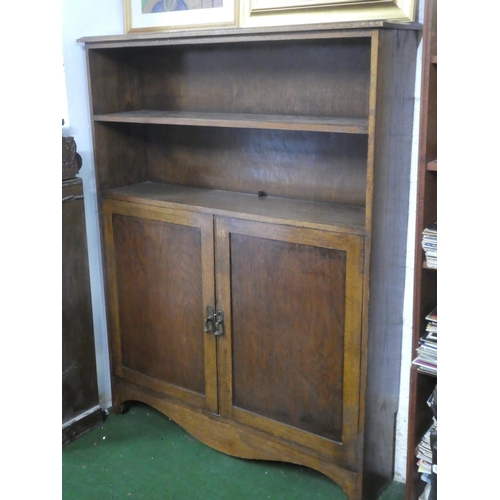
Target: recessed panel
<point x="288" y="306"/>
<point x="159" y="281"/>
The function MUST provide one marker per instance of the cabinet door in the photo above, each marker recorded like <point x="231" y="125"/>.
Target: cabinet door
<point x="290" y="353"/>
<point x="160" y="280"/>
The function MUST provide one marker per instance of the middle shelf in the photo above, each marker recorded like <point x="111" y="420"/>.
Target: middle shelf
<point x="345" y="125"/>
<point x="309" y="166"/>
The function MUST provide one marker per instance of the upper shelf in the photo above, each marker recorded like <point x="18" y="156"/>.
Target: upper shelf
<point x="238" y="120"/>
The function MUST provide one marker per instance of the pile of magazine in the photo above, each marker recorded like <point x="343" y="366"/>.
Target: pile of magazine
<point x="429" y="244"/>
<point x="426" y="359"/>
<point x="426" y="453"/>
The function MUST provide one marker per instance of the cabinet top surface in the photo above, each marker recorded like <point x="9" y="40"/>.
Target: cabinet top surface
<point x="244" y="34"/>
<point x="341" y="218"/>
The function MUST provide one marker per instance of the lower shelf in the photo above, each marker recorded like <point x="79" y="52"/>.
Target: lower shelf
<point x="421" y="387"/>
<point x="257" y="206"/>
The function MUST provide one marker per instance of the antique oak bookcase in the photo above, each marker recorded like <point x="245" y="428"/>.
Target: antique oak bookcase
<point x="425" y="282"/>
<point x="253" y="189"/>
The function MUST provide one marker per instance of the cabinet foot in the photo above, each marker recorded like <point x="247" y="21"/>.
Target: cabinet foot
<point x="121" y="408"/>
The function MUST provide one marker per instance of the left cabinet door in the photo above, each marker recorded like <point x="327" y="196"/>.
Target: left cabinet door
<point x="160" y="280"/>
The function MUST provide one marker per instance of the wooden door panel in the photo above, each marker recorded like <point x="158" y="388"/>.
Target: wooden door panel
<point x="159" y="298"/>
<point x="161" y="313"/>
<point x="292" y="303"/>
<point x="282" y="318"/>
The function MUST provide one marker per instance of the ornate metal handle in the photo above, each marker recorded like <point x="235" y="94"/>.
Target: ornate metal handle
<point x="209" y="320"/>
<point x="214" y="322"/>
<point x="219" y="323"/>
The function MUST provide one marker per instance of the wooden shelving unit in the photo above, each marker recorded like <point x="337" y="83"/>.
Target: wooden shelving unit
<point x="253" y="188"/>
<point x="425" y="283"/>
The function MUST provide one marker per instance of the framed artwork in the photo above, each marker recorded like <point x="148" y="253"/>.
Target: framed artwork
<point x="293" y="12"/>
<point x="162" y="15"/>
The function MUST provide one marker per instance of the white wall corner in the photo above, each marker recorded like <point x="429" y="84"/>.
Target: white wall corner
<point x="79" y="19"/>
<point x="407" y="330"/>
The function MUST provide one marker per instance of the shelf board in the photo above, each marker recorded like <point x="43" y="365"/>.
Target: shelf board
<point x="326" y="216"/>
<point x="240" y="120"/>
<point x="434" y="59"/>
<point x="432" y="166"/>
<point x="418" y="371"/>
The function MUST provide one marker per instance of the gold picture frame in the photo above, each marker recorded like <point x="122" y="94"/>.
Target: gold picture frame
<point x="166" y="15"/>
<point x="257" y="13"/>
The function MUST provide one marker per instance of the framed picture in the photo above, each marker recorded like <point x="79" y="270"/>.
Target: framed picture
<point x="293" y="12"/>
<point x="163" y="15"/>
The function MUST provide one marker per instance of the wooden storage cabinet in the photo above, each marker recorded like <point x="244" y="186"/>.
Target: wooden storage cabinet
<point x="286" y="294"/>
<point x="254" y="197"/>
<point x="81" y="410"/>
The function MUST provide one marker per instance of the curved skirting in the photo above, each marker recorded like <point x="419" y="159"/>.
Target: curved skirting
<point x="236" y="439"/>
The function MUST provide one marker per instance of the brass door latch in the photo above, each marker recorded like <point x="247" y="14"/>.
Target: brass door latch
<point x="214" y="321"/>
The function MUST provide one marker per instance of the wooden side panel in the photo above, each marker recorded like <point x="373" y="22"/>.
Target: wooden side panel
<point x="79" y="377"/>
<point x="394" y="70"/>
<point x="425" y="280"/>
<point x="114" y="81"/>
<point x="119" y="155"/>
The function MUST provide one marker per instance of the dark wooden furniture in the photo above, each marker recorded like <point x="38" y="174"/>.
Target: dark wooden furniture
<point x="253" y="190"/>
<point x="81" y="410"/>
<point x="425" y="282"/>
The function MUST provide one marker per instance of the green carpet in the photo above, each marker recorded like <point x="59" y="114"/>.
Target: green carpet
<point x="145" y="455"/>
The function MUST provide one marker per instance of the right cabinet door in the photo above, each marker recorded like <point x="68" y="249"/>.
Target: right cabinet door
<point x="291" y="350"/>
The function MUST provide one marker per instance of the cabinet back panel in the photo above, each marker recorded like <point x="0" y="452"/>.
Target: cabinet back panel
<point x="301" y="165"/>
<point x="288" y="332"/>
<point x="313" y="77"/>
<point x="158" y="268"/>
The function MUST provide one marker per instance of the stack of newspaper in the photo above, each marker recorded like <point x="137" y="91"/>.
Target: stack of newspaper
<point x="424" y="452"/>
<point x="429" y="244"/>
<point x="426" y="359"/>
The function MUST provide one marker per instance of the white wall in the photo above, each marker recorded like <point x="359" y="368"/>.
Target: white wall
<point x="94" y="17"/>
<point x="406" y="354"/>
<point x="91" y="17"/>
